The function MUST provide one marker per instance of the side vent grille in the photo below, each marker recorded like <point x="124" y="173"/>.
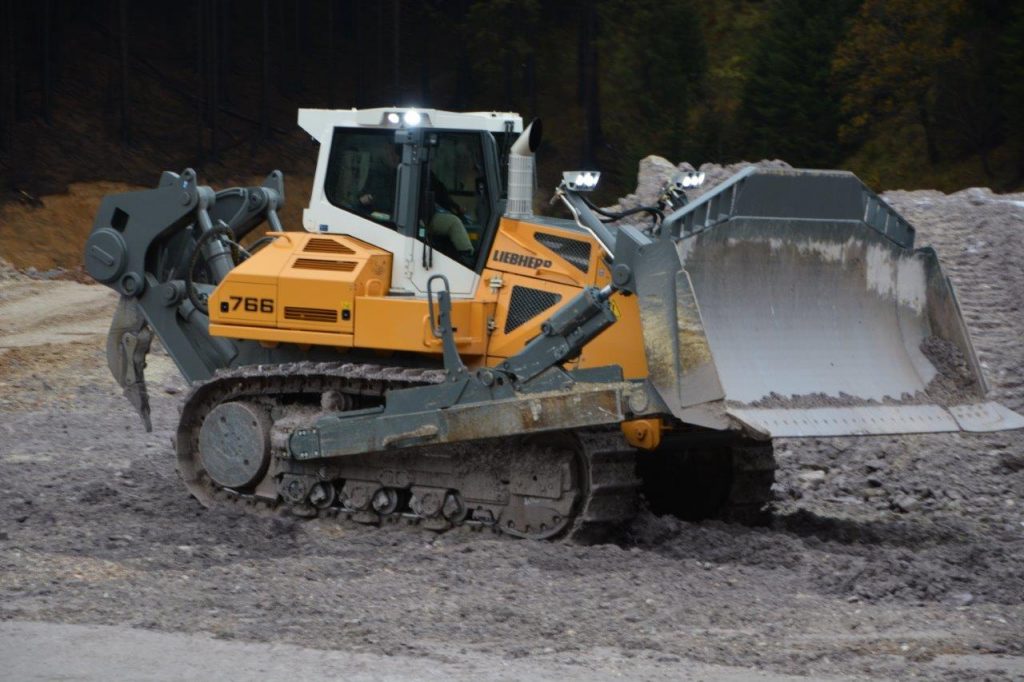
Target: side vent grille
<point x="317" y="264"/>
<point x="311" y="314"/>
<point x="526" y="303"/>
<point x="322" y="245"/>
<point x="577" y="253"/>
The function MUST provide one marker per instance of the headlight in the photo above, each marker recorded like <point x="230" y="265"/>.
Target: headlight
<point x="581" y="181"/>
<point x="692" y="180"/>
<point x="412" y="118"/>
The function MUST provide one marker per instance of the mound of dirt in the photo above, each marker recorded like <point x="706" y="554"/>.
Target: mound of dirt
<point x="654" y="171"/>
<point x="48" y="235"/>
<point x="51" y="234"/>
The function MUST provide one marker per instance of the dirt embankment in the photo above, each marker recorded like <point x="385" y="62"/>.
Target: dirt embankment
<point x="46" y="235"/>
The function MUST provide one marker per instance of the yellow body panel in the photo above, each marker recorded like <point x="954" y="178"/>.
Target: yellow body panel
<point x="517" y="247"/>
<point x="272" y="337"/>
<point x="503" y="344"/>
<point x="403" y="324"/>
<point x="331" y="290"/>
<point x="517" y="250"/>
<point x="300" y="282"/>
<point x="240" y="305"/>
<point x="621" y="344"/>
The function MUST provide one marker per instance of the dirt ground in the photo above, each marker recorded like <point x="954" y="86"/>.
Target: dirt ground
<point x="891" y="557"/>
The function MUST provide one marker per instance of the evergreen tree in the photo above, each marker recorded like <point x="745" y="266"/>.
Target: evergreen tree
<point x="653" y="71"/>
<point x="891" y="62"/>
<point x="788" y="109"/>
<point x="1010" y="76"/>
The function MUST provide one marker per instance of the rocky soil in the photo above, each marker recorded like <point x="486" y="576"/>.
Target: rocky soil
<point x="887" y="557"/>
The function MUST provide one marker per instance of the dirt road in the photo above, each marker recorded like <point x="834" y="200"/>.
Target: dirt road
<point x="891" y="557"/>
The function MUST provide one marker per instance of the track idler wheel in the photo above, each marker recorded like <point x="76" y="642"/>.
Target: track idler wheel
<point x="386" y="501"/>
<point x="322" y="495"/>
<point x="234" y="444"/>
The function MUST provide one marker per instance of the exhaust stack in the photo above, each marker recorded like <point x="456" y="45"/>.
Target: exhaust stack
<point x="521" y="168"/>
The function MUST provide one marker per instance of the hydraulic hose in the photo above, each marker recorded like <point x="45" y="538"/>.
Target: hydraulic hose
<point x="653" y="210"/>
<point x="221" y="230"/>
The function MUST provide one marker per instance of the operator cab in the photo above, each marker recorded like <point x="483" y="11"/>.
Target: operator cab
<point x="430" y="175"/>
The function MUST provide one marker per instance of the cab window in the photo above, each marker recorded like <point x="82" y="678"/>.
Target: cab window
<point x="362" y="173"/>
<point x="459" y="184"/>
<point x="455" y="203"/>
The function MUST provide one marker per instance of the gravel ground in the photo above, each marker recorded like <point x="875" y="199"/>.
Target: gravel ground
<point x="887" y="557"/>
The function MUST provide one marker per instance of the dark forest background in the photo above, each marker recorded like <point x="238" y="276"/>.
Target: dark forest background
<point x="905" y="93"/>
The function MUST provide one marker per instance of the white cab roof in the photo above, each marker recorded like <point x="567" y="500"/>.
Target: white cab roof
<point x="317" y="122"/>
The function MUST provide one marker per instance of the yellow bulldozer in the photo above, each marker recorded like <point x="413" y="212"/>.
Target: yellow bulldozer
<point x="427" y="348"/>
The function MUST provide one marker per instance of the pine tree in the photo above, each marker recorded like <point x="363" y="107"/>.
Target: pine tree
<point x="890" y="64"/>
<point x="653" y="72"/>
<point x="788" y="109"/>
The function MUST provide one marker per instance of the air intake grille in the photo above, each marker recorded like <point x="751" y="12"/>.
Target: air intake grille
<point x="572" y="250"/>
<point x="322" y="245"/>
<point x="317" y="264"/>
<point x="527" y="303"/>
<point x="311" y="314"/>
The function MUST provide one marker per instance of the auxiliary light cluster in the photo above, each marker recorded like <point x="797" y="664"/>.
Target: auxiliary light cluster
<point x="410" y="117"/>
<point x="581" y="181"/>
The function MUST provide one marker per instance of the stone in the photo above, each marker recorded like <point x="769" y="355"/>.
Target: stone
<point x="962" y="598"/>
<point x="811" y="478"/>
<point x="906" y="503"/>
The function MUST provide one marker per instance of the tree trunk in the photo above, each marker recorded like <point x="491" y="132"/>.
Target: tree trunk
<point x="506" y="80"/>
<point x="397" y="50"/>
<point x="355" y="49"/>
<point x="200" y="77"/>
<point x="126" y="129"/>
<point x="46" y="73"/>
<point x="331" y="89"/>
<point x="531" y="84"/>
<point x="985" y="164"/>
<point x="581" y="52"/>
<point x="299" y="46"/>
<point x="57" y="14"/>
<point x="265" y="85"/>
<point x="426" y="60"/>
<point x="224" y="49"/>
<point x="929" y="135"/>
<point x="593" y="138"/>
<point x="214" y="67"/>
<point x="379" y="49"/>
<point x="10" y="103"/>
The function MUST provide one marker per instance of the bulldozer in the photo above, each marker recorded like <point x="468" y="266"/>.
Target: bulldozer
<point x="427" y="348"/>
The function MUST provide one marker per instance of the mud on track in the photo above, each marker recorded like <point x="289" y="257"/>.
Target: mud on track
<point x="898" y="556"/>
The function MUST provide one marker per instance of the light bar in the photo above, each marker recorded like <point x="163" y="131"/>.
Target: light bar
<point x="581" y="181"/>
<point x="690" y="180"/>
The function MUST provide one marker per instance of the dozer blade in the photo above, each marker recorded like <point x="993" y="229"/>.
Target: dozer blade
<point x="819" y="316"/>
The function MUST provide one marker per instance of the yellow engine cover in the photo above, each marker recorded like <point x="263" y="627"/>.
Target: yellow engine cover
<point x="332" y="290"/>
<point x="301" y="288"/>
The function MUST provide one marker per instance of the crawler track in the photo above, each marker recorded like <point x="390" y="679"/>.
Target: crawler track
<point x="577" y="484"/>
